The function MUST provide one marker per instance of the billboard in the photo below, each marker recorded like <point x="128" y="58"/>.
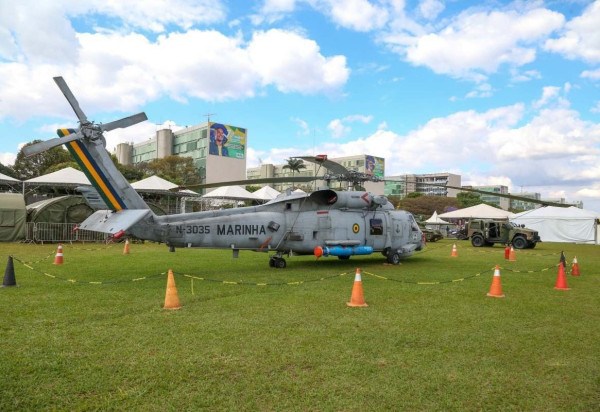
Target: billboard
<point x="227" y="141"/>
<point x="375" y="166"/>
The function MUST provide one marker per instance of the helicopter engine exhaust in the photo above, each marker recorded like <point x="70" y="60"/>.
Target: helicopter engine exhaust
<point x="342" y="251"/>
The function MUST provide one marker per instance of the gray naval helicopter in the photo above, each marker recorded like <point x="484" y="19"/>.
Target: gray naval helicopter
<point x="326" y="222"/>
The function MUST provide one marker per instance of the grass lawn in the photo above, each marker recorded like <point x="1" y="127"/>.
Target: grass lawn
<point x="91" y="334"/>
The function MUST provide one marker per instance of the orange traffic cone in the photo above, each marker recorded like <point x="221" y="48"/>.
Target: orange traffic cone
<point x="454" y="251"/>
<point x="496" y="288"/>
<point x="512" y="257"/>
<point x="58" y="258"/>
<point x="507" y="252"/>
<point x="561" y="279"/>
<point x="575" y="267"/>
<point x="171" y="298"/>
<point x="126" y="247"/>
<point x="357" y="299"/>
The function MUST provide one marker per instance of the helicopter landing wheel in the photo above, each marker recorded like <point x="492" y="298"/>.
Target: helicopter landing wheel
<point x="393" y="258"/>
<point x="277" y="262"/>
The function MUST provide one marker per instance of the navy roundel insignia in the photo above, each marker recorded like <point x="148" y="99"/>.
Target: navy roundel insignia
<point x="355" y="228"/>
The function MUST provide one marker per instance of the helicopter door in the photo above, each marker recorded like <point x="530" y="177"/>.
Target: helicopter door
<point x="377" y="232"/>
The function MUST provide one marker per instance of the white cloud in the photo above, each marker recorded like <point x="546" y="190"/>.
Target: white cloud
<point x="581" y="37"/>
<point x="337" y="128"/>
<point x="359" y="15"/>
<point x="304" y="127"/>
<point x="591" y="74"/>
<point x="293" y="63"/>
<point x="124" y="72"/>
<point x="430" y="9"/>
<point x="548" y="93"/>
<point x="476" y="43"/>
<point x="7" y="158"/>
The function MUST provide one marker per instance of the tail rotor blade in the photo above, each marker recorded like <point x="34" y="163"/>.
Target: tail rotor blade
<point x="49" y="144"/>
<point x="125" y="122"/>
<point x="62" y="85"/>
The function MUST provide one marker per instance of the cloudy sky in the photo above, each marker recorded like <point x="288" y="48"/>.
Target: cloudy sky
<point x="499" y="92"/>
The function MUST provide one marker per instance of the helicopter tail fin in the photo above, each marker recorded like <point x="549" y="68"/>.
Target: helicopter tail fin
<point x="96" y="163"/>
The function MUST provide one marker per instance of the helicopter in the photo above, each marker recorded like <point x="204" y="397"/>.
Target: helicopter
<point x="325" y="222"/>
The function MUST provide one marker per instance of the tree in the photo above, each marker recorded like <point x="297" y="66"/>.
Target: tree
<point x="295" y="165"/>
<point x="37" y="165"/>
<point x="424" y="205"/>
<point x="468" y="199"/>
<point x="176" y="169"/>
<point x="8" y="171"/>
<point x="131" y="173"/>
<point x="60" y="166"/>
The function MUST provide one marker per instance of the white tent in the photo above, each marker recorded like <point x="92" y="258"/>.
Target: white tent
<point x="436" y="220"/>
<point x="266" y="193"/>
<point x="154" y="183"/>
<point x="481" y="211"/>
<point x="230" y="192"/>
<point x="66" y="176"/>
<point x="5" y="178"/>
<point x="561" y="224"/>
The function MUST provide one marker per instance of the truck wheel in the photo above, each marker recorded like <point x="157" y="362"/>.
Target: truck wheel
<point x="477" y="241"/>
<point x="519" y="242"/>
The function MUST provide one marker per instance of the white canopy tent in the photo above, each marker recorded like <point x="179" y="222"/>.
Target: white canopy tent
<point x="11" y="183"/>
<point x="66" y="176"/>
<point x="229" y="192"/>
<point x="562" y="224"/>
<point x="436" y="220"/>
<point x="5" y="178"/>
<point x="154" y="183"/>
<point x="481" y="211"/>
<point x="266" y="193"/>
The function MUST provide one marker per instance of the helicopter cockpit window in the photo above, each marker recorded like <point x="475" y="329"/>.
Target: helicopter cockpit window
<point x="376" y="227"/>
<point x="413" y="224"/>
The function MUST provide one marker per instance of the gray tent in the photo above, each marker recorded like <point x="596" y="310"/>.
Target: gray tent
<point x="12" y="217"/>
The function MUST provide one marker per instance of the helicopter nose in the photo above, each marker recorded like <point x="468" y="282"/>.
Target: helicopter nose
<point x="318" y="251"/>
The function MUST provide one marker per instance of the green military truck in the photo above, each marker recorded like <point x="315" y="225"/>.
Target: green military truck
<point x="487" y="232"/>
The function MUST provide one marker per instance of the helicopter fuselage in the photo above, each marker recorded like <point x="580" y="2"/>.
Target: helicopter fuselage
<point x="294" y="224"/>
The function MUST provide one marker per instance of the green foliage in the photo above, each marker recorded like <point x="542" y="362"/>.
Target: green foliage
<point x="295" y="165"/>
<point x="414" y="195"/>
<point x="8" y="171"/>
<point x="176" y="169"/>
<point x="60" y="166"/>
<point x="425" y="205"/>
<point x="253" y="188"/>
<point x="468" y="199"/>
<point x="38" y="165"/>
<point x="297" y="347"/>
<point x="131" y="173"/>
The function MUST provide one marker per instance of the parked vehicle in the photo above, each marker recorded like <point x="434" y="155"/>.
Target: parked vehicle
<point x="487" y="232"/>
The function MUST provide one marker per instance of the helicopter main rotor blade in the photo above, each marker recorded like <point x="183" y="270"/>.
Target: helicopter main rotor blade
<point x="301" y="179"/>
<point x="334" y="167"/>
<point x="62" y="85"/>
<point x="483" y="192"/>
<point x="49" y="144"/>
<point x="125" y="122"/>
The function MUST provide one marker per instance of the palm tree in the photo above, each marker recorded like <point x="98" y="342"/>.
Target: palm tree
<point x="295" y="165"/>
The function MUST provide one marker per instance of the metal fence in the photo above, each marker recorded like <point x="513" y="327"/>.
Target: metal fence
<point x="61" y="232"/>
